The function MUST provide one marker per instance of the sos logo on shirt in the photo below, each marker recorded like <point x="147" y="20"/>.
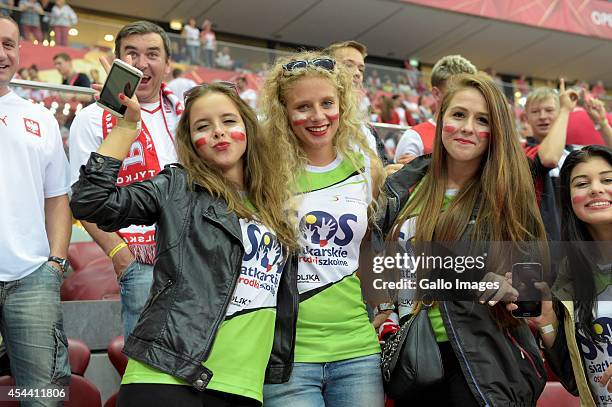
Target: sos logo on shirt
<point x="319" y="228"/>
<point x="325" y="238"/>
<point x="590" y="350"/>
<point x="264" y="247"/>
<point x="262" y="266"/>
<point x="598" y="357"/>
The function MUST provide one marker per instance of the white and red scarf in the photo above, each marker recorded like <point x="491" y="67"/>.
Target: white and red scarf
<point x="141" y="164"/>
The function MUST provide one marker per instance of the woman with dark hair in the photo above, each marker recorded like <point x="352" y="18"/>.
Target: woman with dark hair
<point x="576" y="328"/>
<point x="476" y="187"/>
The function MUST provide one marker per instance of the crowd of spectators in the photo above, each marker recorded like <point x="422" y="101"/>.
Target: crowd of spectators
<point x="392" y="96"/>
<point x="41" y="20"/>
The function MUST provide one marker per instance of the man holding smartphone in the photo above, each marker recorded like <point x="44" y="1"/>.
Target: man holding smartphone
<point x="35" y="226"/>
<point x="147" y="47"/>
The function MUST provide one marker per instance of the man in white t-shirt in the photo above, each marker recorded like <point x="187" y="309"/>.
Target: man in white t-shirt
<point x="352" y="55"/>
<point x="246" y="94"/>
<point x="132" y="250"/>
<point x="419" y="139"/>
<point x="179" y="85"/>
<point x="35" y="226"/>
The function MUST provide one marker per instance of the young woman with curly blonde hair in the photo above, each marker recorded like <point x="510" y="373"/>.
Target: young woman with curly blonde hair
<point x="311" y="113"/>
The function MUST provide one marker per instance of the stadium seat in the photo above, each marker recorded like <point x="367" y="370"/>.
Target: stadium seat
<point x="116" y="355"/>
<point x="81" y="392"/>
<point x="81" y="254"/>
<point x="112" y="400"/>
<point x="79" y="354"/>
<point x="119" y="361"/>
<point x="555" y="395"/>
<point x="96" y="281"/>
<point x="8" y="381"/>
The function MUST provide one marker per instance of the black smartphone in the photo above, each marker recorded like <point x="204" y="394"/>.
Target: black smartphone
<point x="524" y="275"/>
<point x="122" y="78"/>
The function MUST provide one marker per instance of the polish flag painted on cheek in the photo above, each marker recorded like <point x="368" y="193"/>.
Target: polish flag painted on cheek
<point x="237" y="133"/>
<point x="333" y="117"/>
<point x="484" y="134"/>
<point x="449" y="129"/>
<point x="200" y="139"/>
<point x="299" y="119"/>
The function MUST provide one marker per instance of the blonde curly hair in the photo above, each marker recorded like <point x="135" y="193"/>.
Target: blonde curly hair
<point x="349" y="137"/>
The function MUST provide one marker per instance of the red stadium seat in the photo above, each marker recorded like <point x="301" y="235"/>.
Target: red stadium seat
<point x="79" y="354"/>
<point x="555" y="395"/>
<point x="81" y="392"/>
<point x="8" y="381"/>
<point x="116" y="355"/>
<point x="96" y="281"/>
<point x="81" y="254"/>
<point x="119" y="361"/>
<point x="112" y="400"/>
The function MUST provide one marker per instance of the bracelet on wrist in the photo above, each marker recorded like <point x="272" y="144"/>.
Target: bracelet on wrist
<point x="385" y="307"/>
<point x="547" y="329"/>
<point x="116" y="249"/>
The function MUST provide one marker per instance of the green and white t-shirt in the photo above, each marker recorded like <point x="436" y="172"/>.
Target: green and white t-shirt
<point x="597" y="356"/>
<point x="332" y="210"/>
<point x="243" y="344"/>
<point x="405" y="297"/>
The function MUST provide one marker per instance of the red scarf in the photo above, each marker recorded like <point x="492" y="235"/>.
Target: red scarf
<point x="142" y="163"/>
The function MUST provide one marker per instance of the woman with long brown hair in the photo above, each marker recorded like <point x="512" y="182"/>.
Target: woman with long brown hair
<point x="476" y="187"/>
<point x="210" y="332"/>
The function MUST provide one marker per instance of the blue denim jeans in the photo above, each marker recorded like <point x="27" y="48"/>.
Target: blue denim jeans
<point x="194" y="54"/>
<point x="135" y="284"/>
<point x="346" y="383"/>
<point x="33" y="332"/>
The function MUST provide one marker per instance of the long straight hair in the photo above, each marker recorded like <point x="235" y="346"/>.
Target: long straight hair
<point x="574" y="230"/>
<point x="503" y="184"/>
<point x="502" y="187"/>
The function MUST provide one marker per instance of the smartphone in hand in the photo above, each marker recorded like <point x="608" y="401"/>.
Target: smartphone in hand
<point x="122" y="78"/>
<point x="524" y="275"/>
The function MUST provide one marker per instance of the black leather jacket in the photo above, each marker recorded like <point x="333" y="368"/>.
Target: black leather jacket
<point x="503" y="367"/>
<point x="199" y="256"/>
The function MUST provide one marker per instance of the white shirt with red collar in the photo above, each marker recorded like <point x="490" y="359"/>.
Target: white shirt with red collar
<point x="150" y="152"/>
<point x="33" y="167"/>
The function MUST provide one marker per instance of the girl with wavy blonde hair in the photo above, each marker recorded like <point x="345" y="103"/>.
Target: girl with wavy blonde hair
<point x="310" y="111"/>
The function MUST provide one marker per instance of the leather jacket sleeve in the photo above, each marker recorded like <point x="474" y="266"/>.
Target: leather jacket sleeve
<point x="96" y="198"/>
<point x="380" y="146"/>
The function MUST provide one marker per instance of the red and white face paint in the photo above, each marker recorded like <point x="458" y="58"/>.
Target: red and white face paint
<point x="200" y="139"/>
<point x="299" y="119"/>
<point x="591" y="192"/>
<point x="218" y="131"/>
<point x="465" y="130"/>
<point x="313" y="108"/>
<point x="237" y="133"/>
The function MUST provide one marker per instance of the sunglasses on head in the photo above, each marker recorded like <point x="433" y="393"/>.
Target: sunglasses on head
<point x="324" y="63"/>
<point x="226" y="84"/>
